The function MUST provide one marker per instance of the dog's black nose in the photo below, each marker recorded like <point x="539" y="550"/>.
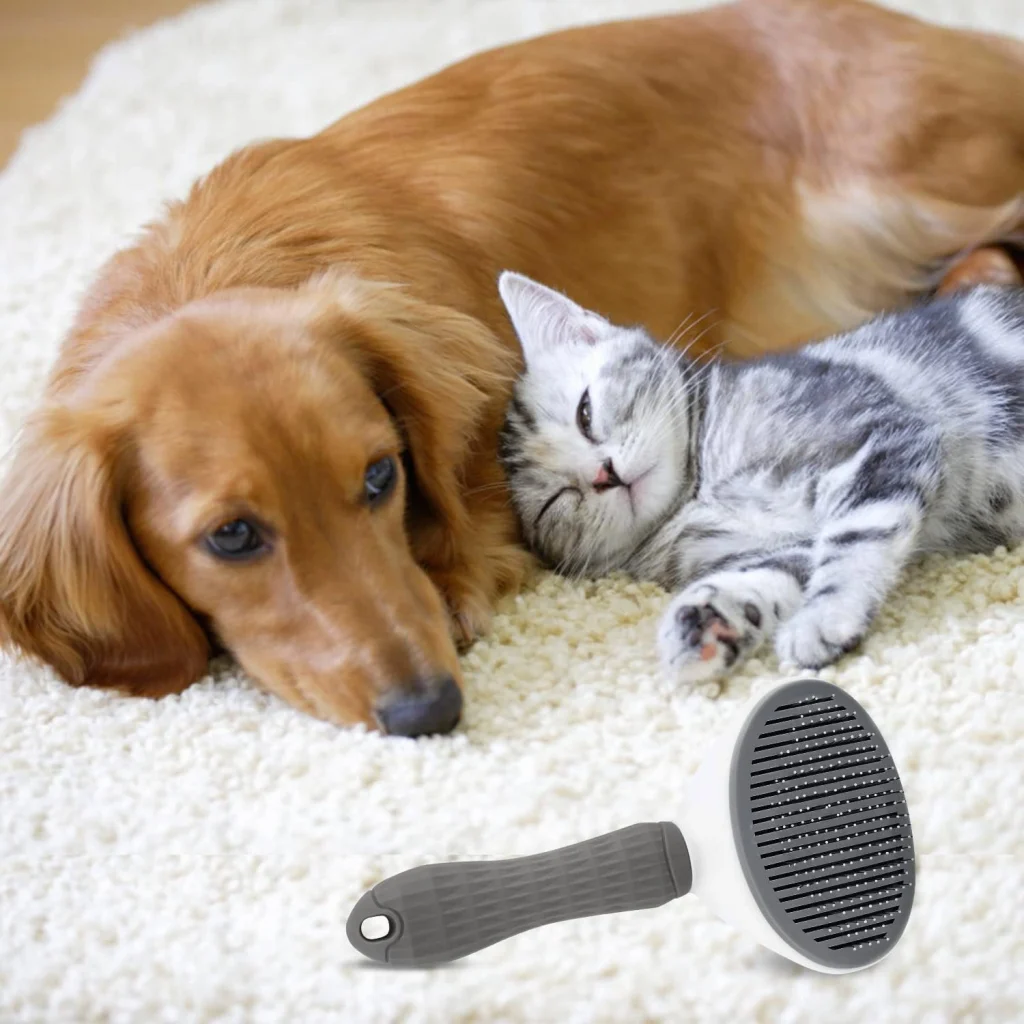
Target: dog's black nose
<point x="423" y="709"/>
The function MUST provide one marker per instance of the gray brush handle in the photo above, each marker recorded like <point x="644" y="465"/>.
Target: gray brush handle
<point x="440" y="912"/>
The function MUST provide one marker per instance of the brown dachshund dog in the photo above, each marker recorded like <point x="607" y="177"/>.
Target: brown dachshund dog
<point x="272" y="428"/>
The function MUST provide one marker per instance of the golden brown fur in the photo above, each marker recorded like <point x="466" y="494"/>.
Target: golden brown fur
<point x="786" y="166"/>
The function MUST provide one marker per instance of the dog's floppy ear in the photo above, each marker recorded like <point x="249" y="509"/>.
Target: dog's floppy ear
<point x="441" y="373"/>
<point x="74" y="592"/>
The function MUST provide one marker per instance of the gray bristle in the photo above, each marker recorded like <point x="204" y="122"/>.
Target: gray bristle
<point x="823" y="824"/>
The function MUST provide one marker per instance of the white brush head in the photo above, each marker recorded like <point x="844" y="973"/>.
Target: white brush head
<point x="798" y="830"/>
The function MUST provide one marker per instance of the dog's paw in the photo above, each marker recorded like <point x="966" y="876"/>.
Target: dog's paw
<point x="470" y="617"/>
<point x="470" y="589"/>
<point x="468" y="625"/>
<point x="820" y="633"/>
<point x="469" y="611"/>
<point x="706" y="632"/>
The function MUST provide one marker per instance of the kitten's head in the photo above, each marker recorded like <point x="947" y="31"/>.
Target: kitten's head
<point x="595" y="442"/>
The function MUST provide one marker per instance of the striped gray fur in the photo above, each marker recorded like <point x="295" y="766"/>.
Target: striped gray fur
<point x="779" y="498"/>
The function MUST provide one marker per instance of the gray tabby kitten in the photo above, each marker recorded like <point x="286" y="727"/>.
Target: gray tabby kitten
<point x="780" y="498"/>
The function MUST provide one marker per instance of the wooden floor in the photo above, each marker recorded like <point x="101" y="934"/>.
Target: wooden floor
<point x="46" y="47"/>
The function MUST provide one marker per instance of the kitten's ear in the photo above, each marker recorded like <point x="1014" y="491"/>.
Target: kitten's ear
<point x="543" y="318"/>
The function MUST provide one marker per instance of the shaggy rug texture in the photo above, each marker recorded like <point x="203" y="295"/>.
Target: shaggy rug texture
<point x="194" y="859"/>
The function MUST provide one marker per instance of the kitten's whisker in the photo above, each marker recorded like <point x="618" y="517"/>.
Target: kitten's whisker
<point x="486" y="488"/>
<point x="695" y="374"/>
<point x="696" y="323"/>
<point x="677" y="333"/>
<point x="714" y="348"/>
<point x="692" y="327"/>
<point x="690" y="372"/>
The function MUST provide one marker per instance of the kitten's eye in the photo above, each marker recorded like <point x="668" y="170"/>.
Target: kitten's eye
<point x="583" y="415"/>
<point x="380" y="479"/>
<point x="236" y="540"/>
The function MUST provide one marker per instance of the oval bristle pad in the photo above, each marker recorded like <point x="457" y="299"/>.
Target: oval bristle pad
<point x="822" y="825"/>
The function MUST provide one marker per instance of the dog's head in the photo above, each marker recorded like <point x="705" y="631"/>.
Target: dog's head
<point x="245" y="473"/>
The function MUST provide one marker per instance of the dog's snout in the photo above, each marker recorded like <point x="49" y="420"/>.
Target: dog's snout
<point x="422" y="709"/>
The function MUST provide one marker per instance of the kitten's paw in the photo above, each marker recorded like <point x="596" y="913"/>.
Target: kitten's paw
<point x="705" y="632"/>
<point x="821" y="633"/>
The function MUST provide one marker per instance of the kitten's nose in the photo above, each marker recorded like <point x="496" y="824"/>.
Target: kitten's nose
<point x="606" y="477"/>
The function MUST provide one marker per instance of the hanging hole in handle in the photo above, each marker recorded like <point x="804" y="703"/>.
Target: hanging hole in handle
<point x="375" y="928"/>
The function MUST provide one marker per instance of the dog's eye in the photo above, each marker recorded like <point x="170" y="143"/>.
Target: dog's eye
<point x="379" y="480"/>
<point x="583" y="416"/>
<point x="236" y="539"/>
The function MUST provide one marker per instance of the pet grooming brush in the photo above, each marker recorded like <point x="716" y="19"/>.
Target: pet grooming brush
<point x="796" y="832"/>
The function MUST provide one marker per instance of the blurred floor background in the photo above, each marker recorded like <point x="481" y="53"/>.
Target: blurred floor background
<point x="46" y="47"/>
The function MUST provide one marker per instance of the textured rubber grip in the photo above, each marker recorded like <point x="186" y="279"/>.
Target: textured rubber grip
<point x="440" y="912"/>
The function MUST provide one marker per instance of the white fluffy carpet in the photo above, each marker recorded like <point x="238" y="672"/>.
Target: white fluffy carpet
<point x="195" y="859"/>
